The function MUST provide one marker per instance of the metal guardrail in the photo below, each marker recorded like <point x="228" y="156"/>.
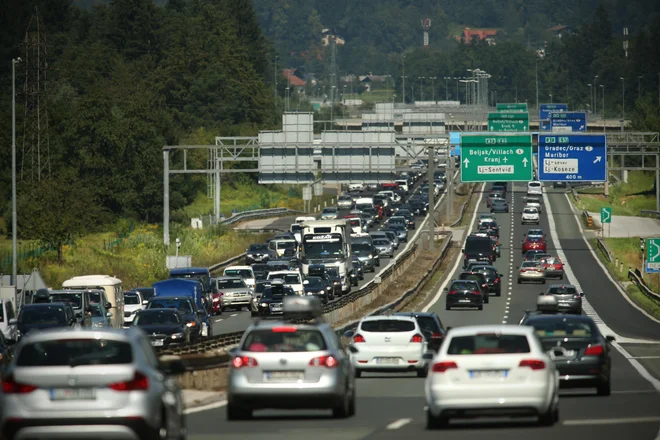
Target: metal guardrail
<point x="575" y="195"/>
<point x="257" y="213"/>
<point x="213" y="343"/>
<point x="635" y="277"/>
<point x="588" y="219"/>
<point x="603" y="247"/>
<point x="464" y="207"/>
<point x="232" y="260"/>
<point x="650" y="213"/>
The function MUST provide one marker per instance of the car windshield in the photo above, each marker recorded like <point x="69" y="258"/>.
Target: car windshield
<point x="530" y="211"/>
<point x="48" y="315"/>
<point x="157" y="318"/>
<point x="321" y="249"/>
<point x="360" y="247"/>
<point x="258" y="248"/>
<point x="463" y="285"/>
<point x="243" y="273"/>
<point x="428" y="324"/>
<point x="472" y="276"/>
<point x="278" y="291"/>
<point x="329" y="210"/>
<point x="131" y="299"/>
<point x="286" y="245"/>
<point x="563" y="290"/>
<point x="332" y="272"/>
<point x="288" y="278"/>
<point x="494" y="343"/>
<point x="75" y="299"/>
<point x="284" y="340"/>
<point x="75" y="352"/>
<point x="562" y="327"/>
<point x="381" y="242"/>
<point x="387" y="326"/>
<point x="234" y="283"/>
<point x="181" y="305"/>
<point x="314" y="282"/>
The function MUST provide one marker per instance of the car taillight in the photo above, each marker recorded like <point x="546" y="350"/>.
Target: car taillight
<point x="497" y="280"/>
<point x="577" y="297"/>
<point x="10" y="386"/>
<point x="324" y="361"/>
<point x="534" y="364"/>
<point x="476" y="292"/>
<point x="558" y="266"/>
<point x="417" y="339"/>
<point x="436" y="335"/>
<point x="441" y="367"/>
<point x="451" y="292"/>
<point x="594" y="350"/>
<point x="140" y="382"/>
<point x="358" y="338"/>
<point x="244" y="361"/>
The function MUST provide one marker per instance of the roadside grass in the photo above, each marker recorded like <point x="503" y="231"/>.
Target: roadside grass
<point x="627" y="251"/>
<point x="625" y="198"/>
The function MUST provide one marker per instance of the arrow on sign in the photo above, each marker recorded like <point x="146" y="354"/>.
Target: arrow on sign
<point x="466" y="162"/>
<point x="598" y="158"/>
<point x="657" y="250"/>
<point x="606" y="216"/>
<point x="524" y="161"/>
<point x="505" y="159"/>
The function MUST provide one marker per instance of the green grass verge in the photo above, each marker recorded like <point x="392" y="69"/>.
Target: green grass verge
<point x="625" y="198"/>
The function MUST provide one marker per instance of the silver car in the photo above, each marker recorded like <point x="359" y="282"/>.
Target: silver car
<point x="384" y="247"/>
<point x="531" y="271"/>
<point x="282" y="365"/>
<point x="345" y="202"/>
<point x="83" y="384"/>
<point x="569" y="299"/>
<point x="329" y="213"/>
<point x="234" y="293"/>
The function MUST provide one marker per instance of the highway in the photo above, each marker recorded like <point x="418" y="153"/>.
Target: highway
<point x="392" y="407"/>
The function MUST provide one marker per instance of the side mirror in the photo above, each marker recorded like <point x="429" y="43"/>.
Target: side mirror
<point x="501" y="275"/>
<point x="581" y="294"/>
<point x="13" y="321"/>
<point x="610" y="338"/>
<point x="349" y="334"/>
<point x="428" y="356"/>
<point x="108" y="315"/>
<point x="463" y="251"/>
<point x="145" y="302"/>
<point x="352" y="349"/>
<point x="108" y="305"/>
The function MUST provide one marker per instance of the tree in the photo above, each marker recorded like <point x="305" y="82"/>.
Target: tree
<point x="57" y="210"/>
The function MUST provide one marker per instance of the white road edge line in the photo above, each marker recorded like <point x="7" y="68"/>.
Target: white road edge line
<point x="620" y="421"/>
<point x="398" y="424"/>
<point x="459" y="260"/>
<point x="213" y="405"/>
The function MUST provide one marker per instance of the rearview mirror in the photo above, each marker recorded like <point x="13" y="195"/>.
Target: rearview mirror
<point x="108" y="305"/>
<point x="610" y="338"/>
<point x="145" y="302"/>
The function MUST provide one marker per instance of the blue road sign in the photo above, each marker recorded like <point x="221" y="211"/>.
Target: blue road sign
<point x="544" y="125"/>
<point x="572" y="158"/>
<point x="546" y="109"/>
<point x="568" y="121"/>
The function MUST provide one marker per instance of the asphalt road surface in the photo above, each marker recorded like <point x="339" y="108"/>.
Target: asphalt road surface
<point x="392" y="407"/>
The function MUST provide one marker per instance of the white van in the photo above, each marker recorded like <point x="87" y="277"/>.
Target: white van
<point x="280" y="246"/>
<point x="534" y="188"/>
<point x="364" y="203"/>
<point x="392" y="195"/>
<point x="113" y="292"/>
<point x="244" y="272"/>
<point x="290" y="278"/>
<point x="403" y="185"/>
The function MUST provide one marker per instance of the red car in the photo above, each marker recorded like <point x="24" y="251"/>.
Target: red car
<point x="534" y="244"/>
<point x="217" y="303"/>
<point x="553" y="267"/>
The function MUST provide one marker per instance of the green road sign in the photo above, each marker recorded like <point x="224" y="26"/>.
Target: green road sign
<point x="517" y="107"/>
<point x="652" y="254"/>
<point x="511" y="121"/>
<point x="605" y="215"/>
<point x="496" y="157"/>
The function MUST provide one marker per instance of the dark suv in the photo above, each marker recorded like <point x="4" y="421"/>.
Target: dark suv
<point x="480" y="278"/>
<point x="493" y="278"/>
<point x="478" y="249"/>
<point x="431" y="327"/>
<point x="43" y="316"/>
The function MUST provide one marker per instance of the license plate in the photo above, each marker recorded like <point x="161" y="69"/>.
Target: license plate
<point x="463" y="300"/>
<point x="387" y="361"/>
<point x="564" y="305"/>
<point x="488" y="374"/>
<point x="276" y="309"/>
<point x="157" y="342"/>
<point x="288" y="376"/>
<point x="72" y="394"/>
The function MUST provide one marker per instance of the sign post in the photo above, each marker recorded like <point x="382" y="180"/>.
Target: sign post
<point x="572" y="158"/>
<point x="496" y="157"/>
<point x="508" y="121"/>
<point x="652" y="255"/>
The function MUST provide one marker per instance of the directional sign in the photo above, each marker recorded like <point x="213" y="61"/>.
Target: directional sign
<point x="572" y="158"/>
<point x="544" y="125"/>
<point x="546" y="109"/>
<point x="496" y="157"/>
<point x="512" y="121"/>
<point x="652" y="254"/>
<point x="568" y="122"/>
<point x="605" y="215"/>
<point x="517" y="107"/>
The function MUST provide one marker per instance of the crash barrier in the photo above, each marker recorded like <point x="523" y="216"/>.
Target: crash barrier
<point x="256" y="214"/>
<point x="604" y="249"/>
<point x="649" y="213"/>
<point x="575" y="195"/>
<point x="588" y="220"/>
<point x="636" y="277"/>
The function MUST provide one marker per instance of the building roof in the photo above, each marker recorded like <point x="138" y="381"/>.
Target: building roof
<point x="292" y="79"/>
<point x="482" y="34"/>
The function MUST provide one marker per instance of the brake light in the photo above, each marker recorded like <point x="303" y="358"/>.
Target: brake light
<point x="140" y="382"/>
<point x="534" y="364"/>
<point x="476" y="292"/>
<point x="284" y="330"/>
<point x="436" y="335"/>
<point x="10" y="386"/>
<point x="441" y="367"/>
<point x="358" y="338"/>
<point x="324" y="361"/>
<point x="418" y="339"/>
<point x="244" y="361"/>
<point x="451" y="292"/>
<point x="497" y="280"/>
<point x="594" y="350"/>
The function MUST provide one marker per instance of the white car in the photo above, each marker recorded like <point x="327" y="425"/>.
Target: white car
<point x="530" y="215"/>
<point x="290" y="278"/>
<point x="534" y="188"/>
<point x="356" y="187"/>
<point x="388" y="344"/>
<point x="244" y="272"/>
<point x="403" y="185"/>
<point x="486" y="218"/>
<point x="498" y="370"/>
<point x="132" y="305"/>
<point x="531" y="271"/>
<point x="534" y="202"/>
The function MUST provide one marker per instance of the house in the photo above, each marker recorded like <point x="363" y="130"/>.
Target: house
<point x="560" y="30"/>
<point x="294" y="80"/>
<point x="481" y="34"/>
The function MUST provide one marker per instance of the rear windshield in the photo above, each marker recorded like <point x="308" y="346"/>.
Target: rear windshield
<point x="477" y="244"/>
<point x="286" y="244"/>
<point x="488" y="344"/>
<point x="75" y="299"/>
<point x="231" y="284"/>
<point x="472" y="276"/>
<point x="428" y="324"/>
<point x="534" y="184"/>
<point x="42" y="315"/>
<point x="534" y="239"/>
<point x="530" y="264"/>
<point x="558" y="328"/>
<point x="381" y="242"/>
<point x="356" y="247"/>
<point x="530" y="211"/>
<point x="387" y="326"/>
<point x="75" y="352"/>
<point x="566" y="290"/>
<point x="157" y="318"/>
<point x="462" y="286"/>
<point x="258" y="248"/>
<point x="131" y="299"/>
<point x="181" y="305"/>
<point x="288" y="279"/>
<point x="278" y="292"/>
<point x="243" y="273"/>
<point x="284" y="340"/>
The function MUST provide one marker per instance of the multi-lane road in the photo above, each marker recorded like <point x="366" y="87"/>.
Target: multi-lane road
<point x="392" y="407"/>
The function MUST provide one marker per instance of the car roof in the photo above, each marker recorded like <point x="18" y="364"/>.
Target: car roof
<point x="483" y="266"/>
<point x="387" y="317"/>
<point x="268" y="325"/>
<point x="159" y="309"/>
<point x="48" y="304"/>
<point x="415" y="314"/>
<point x="228" y="277"/>
<point x="545" y="316"/>
<point x="560" y="286"/>
<point x="238" y="267"/>
<point x="471" y="330"/>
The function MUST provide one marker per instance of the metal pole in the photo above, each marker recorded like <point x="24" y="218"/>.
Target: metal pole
<point x="166" y="197"/>
<point x="657" y="183"/>
<point x="623" y="103"/>
<point x="14" y="222"/>
<point x="537" y="84"/>
<point x="604" y="128"/>
<point x="431" y="198"/>
<point x="217" y="190"/>
<point x="403" y="78"/>
<point x="275" y="77"/>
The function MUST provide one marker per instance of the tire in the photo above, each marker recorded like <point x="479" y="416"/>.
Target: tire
<point x="343" y="408"/>
<point x="519" y="281"/>
<point x="358" y="373"/>
<point x="549" y="418"/>
<point x="237" y="413"/>
<point x="543" y="282"/>
<point x="433" y="422"/>
<point x="447" y="307"/>
<point x="423" y="372"/>
<point x="487" y="300"/>
<point x="480" y="307"/>
<point x="498" y="293"/>
<point x="351" y="404"/>
<point x="603" y="388"/>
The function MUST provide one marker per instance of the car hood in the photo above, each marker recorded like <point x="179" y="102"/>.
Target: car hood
<point x="133" y="307"/>
<point x="241" y="290"/>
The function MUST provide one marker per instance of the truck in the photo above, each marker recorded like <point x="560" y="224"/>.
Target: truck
<point x="328" y="242"/>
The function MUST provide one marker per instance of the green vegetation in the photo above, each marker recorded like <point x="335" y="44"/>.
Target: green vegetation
<point x="625" y="198"/>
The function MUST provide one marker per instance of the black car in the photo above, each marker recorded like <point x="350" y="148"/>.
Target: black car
<point x="358" y="267"/>
<point x="559" y="185"/>
<point x="478" y="249"/>
<point x="145" y="292"/>
<point x="579" y="350"/>
<point x="334" y="279"/>
<point x="270" y="303"/>
<point x="257" y="253"/>
<point x="409" y="217"/>
<point x="493" y="278"/>
<point x="431" y="327"/>
<point x="43" y="316"/>
<point x="186" y="308"/>
<point x="259" y="289"/>
<point x="480" y="278"/>
<point x="165" y="327"/>
<point x="319" y="270"/>
<point x="260" y="271"/>
<point x="317" y="286"/>
<point x="464" y="293"/>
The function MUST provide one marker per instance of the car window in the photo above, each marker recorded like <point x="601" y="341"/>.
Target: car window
<point x="488" y="344"/>
<point x="530" y="211"/>
<point x="387" y="326"/>
<point x="381" y="242"/>
<point x="75" y="299"/>
<point x="553" y="328"/>
<point x="428" y="324"/>
<point x="534" y="184"/>
<point x="9" y="309"/>
<point x="158" y="318"/>
<point x="182" y="306"/>
<point x="284" y="340"/>
<point x="231" y="284"/>
<point x="75" y="352"/>
<point x="567" y="290"/>
<point x="258" y="248"/>
<point x="42" y="315"/>
<point x="529" y="264"/>
<point x="292" y="279"/>
<point x="131" y="299"/>
<point x="243" y="273"/>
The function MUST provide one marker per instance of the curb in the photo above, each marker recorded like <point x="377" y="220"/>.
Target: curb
<point x="216" y="397"/>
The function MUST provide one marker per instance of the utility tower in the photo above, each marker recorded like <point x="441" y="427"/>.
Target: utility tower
<point x="333" y="68"/>
<point x="35" y="160"/>
<point x="426" y="25"/>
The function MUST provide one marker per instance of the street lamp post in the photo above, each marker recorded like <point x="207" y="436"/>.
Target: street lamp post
<point x="14" y="222"/>
<point x="433" y="78"/>
<point x="403" y="78"/>
<point x="458" y="97"/>
<point x="446" y="88"/>
<point x="550" y="98"/>
<point x="591" y="97"/>
<point x="595" y="98"/>
<point x="421" y="87"/>
<point x="623" y="103"/>
<point x="602" y="86"/>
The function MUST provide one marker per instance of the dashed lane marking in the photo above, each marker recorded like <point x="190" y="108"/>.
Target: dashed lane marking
<point x="235" y="314"/>
<point x="398" y="424"/>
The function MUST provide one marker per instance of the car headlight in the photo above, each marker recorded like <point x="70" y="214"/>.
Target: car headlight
<point x="371" y="256"/>
<point x="191" y="324"/>
<point x="177" y="336"/>
<point x="215" y="300"/>
<point x="250" y="255"/>
<point x="263" y="305"/>
<point x="18" y="334"/>
<point x="98" y="324"/>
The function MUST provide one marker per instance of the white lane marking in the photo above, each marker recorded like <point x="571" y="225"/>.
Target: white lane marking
<point x="620" y="421"/>
<point x="218" y="320"/>
<point x="235" y="314"/>
<point x="213" y="405"/>
<point x="398" y="424"/>
<point x="588" y="309"/>
<point x="634" y="392"/>
<point x="459" y="260"/>
<point x="645" y="357"/>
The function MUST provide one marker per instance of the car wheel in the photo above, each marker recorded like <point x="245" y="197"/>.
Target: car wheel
<point x="603" y="388"/>
<point x="343" y="408"/>
<point x="549" y="418"/>
<point x="561" y="277"/>
<point x="423" y="372"/>
<point x="351" y="404"/>
<point x="433" y="422"/>
<point x="519" y="281"/>
<point x="238" y="413"/>
<point x="447" y="307"/>
<point x="253" y="314"/>
<point x="480" y="307"/>
<point x="542" y="281"/>
<point x="358" y="373"/>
